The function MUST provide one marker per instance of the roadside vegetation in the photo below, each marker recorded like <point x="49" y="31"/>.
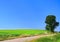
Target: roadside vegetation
<point x="55" y="38"/>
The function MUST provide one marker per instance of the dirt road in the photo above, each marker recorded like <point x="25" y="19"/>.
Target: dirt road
<point x="26" y="39"/>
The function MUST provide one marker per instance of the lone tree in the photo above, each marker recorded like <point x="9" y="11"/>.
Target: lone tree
<point x="51" y="23"/>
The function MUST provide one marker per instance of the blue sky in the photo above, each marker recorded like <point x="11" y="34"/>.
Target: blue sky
<point x="27" y="13"/>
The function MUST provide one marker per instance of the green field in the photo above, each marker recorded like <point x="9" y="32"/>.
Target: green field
<point x="55" y="38"/>
<point x="10" y="34"/>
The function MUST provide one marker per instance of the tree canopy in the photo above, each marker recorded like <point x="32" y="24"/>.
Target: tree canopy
<point x="51" y="23"/>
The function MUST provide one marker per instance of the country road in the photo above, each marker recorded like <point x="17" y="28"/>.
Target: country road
<point x="26" y="39"/>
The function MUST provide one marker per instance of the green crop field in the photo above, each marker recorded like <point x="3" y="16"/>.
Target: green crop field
<point x="10" y="34"/>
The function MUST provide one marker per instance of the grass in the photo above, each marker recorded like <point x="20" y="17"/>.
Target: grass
<point x="10" y="34"/>
<point x="55" y="38"/>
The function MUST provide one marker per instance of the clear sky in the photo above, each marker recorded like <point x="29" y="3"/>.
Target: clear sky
<point x="27" y="13"/>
